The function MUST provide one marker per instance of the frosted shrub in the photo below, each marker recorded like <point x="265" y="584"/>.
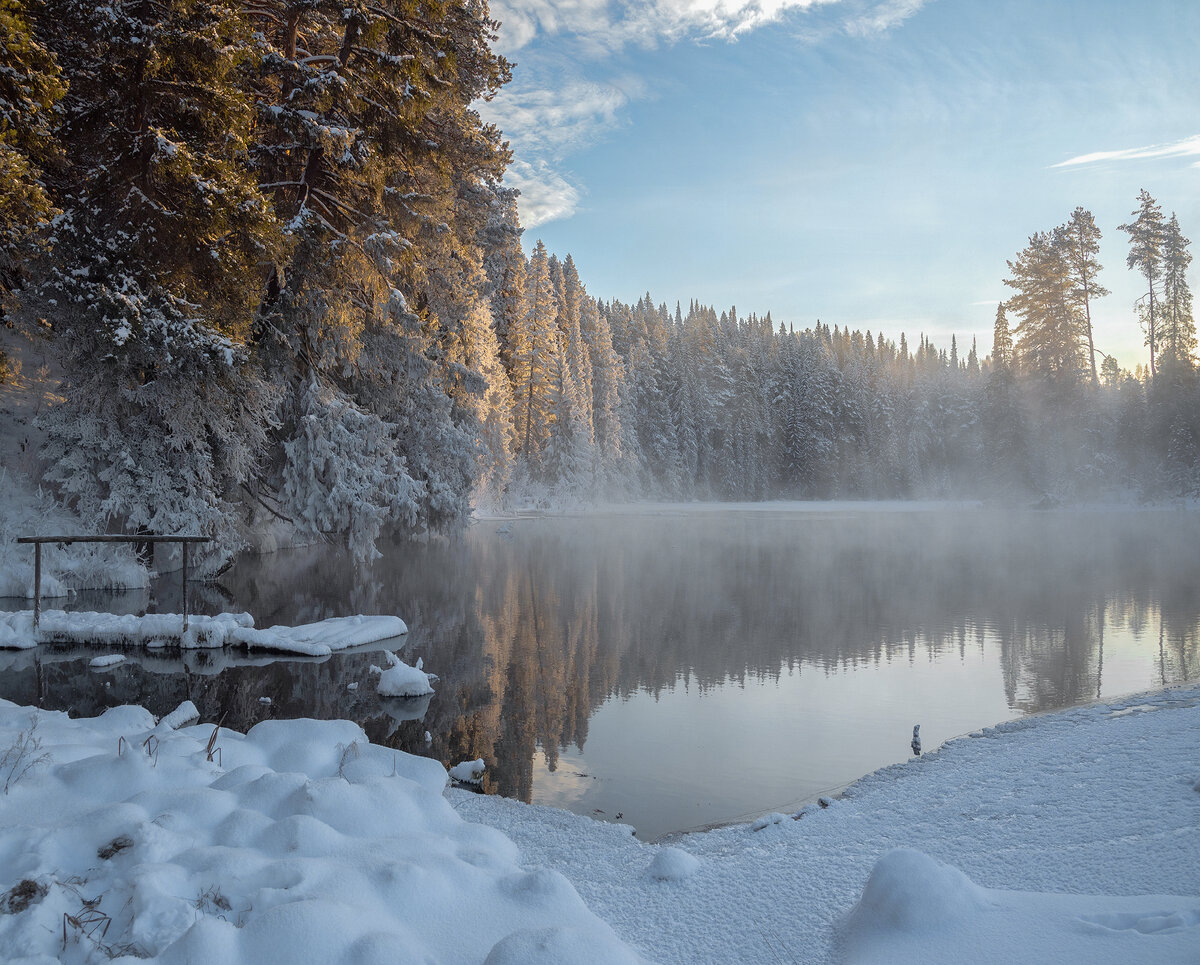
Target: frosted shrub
<point x="343" y="473"/>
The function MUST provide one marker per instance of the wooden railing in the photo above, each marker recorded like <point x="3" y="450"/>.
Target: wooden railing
<point x="39" y="541"/>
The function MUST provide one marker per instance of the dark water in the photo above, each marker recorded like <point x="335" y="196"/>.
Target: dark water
<point x="699" y="664"/>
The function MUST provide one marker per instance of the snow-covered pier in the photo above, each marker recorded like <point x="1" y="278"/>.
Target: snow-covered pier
<point x="38" y="542"/>
<point x="161" y="630"/>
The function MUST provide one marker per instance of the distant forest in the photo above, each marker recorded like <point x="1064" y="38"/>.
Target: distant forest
<point x="269" y="244"/>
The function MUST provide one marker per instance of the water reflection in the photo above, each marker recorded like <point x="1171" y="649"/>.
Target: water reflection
<point x="683" y="668"/>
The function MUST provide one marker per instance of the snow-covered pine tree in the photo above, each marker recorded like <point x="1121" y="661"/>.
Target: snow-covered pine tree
<point x="148" y="283"/>
<point x="1048" y="339"/>
<point x="534" y="344"/>
<point x="1080" y="240"/>
<point x="30" y="86"/>
<point x="1145" y="256"/>
<point x="379" y="166"/>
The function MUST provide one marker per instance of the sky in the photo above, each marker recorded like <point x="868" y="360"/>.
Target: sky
<point x="868" y="163"/>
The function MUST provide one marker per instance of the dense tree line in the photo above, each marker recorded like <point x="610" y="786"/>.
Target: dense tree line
<point x="617" y="400"/>
<point x="269" y="243"/>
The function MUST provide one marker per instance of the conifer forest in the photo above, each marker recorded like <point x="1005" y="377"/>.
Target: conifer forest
<point x="269" y="245"/>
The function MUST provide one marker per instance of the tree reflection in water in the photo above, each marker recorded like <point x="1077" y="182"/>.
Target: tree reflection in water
<point x="532" y="630"/>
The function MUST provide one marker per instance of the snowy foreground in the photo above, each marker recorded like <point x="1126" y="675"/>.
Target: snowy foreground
<point x="1072" y="837"/>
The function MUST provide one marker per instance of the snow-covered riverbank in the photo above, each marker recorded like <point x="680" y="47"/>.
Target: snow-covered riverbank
<point x="1068" y="837"/>
<point x="1072" y="837"/>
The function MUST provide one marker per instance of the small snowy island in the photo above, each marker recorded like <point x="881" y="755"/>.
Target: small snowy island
<point x="1071" y="837"/>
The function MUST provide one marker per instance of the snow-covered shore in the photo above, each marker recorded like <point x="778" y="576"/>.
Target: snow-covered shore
<point x="1072" y="837"/>
<point x="1067" y="837"/>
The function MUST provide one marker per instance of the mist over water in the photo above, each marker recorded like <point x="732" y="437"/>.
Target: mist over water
<point x="689" y="666"/>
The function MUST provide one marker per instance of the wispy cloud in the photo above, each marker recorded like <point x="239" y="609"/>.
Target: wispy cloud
<point x="883" y="16"/>
<point x="606" y="25"/>
<point x="545" y="194"/>
<point x="1188" y="147"/>
<point x="553" y="122"/>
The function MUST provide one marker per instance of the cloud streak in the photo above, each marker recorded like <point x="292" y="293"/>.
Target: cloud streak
<point x="1188" y="147"/>
<point x="554" y="122"/>
<point x="883" y="17"/>
<point x="604" y="25"/>
<point x="545" y="194"/>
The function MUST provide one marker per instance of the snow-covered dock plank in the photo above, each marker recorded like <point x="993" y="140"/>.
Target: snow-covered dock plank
<point x="204" y="632"/>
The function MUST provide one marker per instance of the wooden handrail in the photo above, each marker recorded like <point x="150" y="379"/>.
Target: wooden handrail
<point x="38" y="541"/>
<point x="114" y="538"/>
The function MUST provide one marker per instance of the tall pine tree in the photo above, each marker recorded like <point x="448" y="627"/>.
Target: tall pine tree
<point x="1146" y="256"/>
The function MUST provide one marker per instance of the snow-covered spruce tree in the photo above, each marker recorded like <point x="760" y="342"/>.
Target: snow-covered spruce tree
<point x="149" y="280"/>
<point x="343" y="473"/>
<point x="1178" y="327"/>
<point x="608" y="375"/>
<point x="492" y="407"/>
<point x="566" y="461"/>
<point x="374" y="157"/>
<point x="504" y="264"/>
<point x="535" y="349"/>
<point x="579" y="362"/>
<point x="806" y="405"/>
<point x="456" y="295"/>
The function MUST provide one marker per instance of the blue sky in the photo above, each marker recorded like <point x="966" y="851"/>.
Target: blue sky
<point x="871" y="163"/>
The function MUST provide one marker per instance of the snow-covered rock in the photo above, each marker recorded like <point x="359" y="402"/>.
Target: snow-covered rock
<point x="468" y="772"/>
<point x="401" y="680"/>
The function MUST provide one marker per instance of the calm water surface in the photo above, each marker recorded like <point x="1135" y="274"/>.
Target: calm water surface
<point x="695" y="665"/>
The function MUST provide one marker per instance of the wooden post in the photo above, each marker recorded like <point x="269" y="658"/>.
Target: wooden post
<point x="37" y="584"/>
<point x="185" y="586"/>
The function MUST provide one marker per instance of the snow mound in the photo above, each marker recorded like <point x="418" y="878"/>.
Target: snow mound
<point x="16" y="631"/>
<point x="469" y="772"/>
<point x="917" y="910"/>
<point x="908" y="890"/>
<point x="401" y="680"/>
<point x="673" y="864"/>
<point x="306" y="844"/>
<point x="185" y="713"/>
<point x="552" y="946"/>
<point x="107" y="660"/>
